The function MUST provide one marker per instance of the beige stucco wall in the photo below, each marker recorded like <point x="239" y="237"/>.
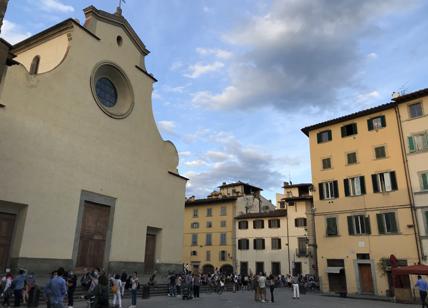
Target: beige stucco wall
<point x="57" y="142"/>
<point x="417" y="162"/>
<point x="52" y="52"/>
<point x="266" y="255"/>
<point x="215" y="230"/>
<point x="344" y="246"/>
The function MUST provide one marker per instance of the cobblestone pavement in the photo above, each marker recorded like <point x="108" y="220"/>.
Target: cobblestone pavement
<point x="246" y="300"/>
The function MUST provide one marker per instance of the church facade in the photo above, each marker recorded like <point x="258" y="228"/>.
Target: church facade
<point x="86" y="179"/>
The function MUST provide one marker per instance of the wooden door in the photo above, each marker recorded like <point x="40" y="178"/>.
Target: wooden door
<point x="149" y="258"/>
<point x="366" y="280"/>
<point x="93" y="235"/>
<point x="7" y="224"/>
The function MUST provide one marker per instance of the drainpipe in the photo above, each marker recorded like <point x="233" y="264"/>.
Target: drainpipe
<point x="288" y="244"/>
<point x="409" y="185"/>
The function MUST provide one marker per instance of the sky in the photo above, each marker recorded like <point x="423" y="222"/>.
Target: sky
<point x="239" y="79"/>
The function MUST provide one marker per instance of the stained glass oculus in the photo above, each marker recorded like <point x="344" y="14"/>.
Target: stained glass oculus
<point x="106" y="92"/>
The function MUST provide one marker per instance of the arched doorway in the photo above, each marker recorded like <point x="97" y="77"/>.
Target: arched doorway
<point x="226" y="269"/>
<point x="207" y="269"/>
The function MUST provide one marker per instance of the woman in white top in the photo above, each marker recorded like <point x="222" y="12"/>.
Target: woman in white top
<point x="7" y="291"/>
<point x="115" y="290"/>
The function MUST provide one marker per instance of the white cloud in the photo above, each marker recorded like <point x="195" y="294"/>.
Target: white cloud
<point x="368" y="96"/>
<point x="207" y="9"/>
<point x="13" y="33"/>
<point x="199" y="69"/>
<point x="196" y="163"/>
<point x="372" y="55"/>
<point x="219" y="53"/>
<point x="167" y="127"/>
<point x="185" y="153"/>
<point x="55" y="6"/>
<point x="217" y="156"/>
<point x="299" y="55"/>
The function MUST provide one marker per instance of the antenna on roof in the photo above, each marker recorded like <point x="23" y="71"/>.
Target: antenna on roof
<point x="119" y="7"/>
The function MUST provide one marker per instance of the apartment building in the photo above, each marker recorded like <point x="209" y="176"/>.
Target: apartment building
<point x="261" y="241"/>
<point x="209" y="226"/>
<point x="362" y="201"/>
<point x="413" y="116"/>
<point x="300" y="228"/>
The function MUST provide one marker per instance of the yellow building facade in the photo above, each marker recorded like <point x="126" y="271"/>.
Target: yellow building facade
<point x="413" y="116"/>
<point x="362" y="201"/>
<point x="209" y="226"/>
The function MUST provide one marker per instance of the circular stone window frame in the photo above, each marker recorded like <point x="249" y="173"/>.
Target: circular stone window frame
<point x="125" y="94"/>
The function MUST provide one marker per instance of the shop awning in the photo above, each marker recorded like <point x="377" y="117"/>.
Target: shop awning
<point x="333" y="270"/>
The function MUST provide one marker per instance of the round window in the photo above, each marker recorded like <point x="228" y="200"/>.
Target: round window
<point x="112" y="90"/>
<point x="106" y="92"/>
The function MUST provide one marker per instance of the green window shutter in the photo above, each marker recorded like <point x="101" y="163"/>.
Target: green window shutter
<point x="350" y="225"/>
<point x="346" y="186"/>
<point x="374" y="182"/>
<point x="319" y="138"/>
<point x="370" y="124"/>
<point x="393" y="221"/>
<point x="426" y="222"/>
<point x="363" y="185"/>
<point x="411" y="142"/>
<point x="394" y="185"/>
<point x="331" y="226"/>
<point x="426" y="141"/>
<point x="336" y="189"/>
<point x="355" y="128"/>
<point x="343" y="131"/>
<point x="329" y="135"/>
<point x="424" y="181"/>
<point x="321" y="191"/>
<point x="380" y="224"/>
<point x="367" y="225"/>
<point x="383" y="121"/>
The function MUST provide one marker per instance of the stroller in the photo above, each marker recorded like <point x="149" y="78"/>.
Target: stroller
<point x="186" y="292"/>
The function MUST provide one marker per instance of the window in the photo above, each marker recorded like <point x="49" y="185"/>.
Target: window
<point x="223" y="223"/>
<point x="349" y="130"/>
<point x="243" y="244"/>
<point x="326" y="163"/>
<point x="34" y="68"/>
<point x="243" y="224"/>
<point x="195" y="212"/>
<point x="355" y="186"/>
<point x="106" y="92"/>
<point x="223" y="239"/>
<point x="302" y="250"/>
<point x="384" y="182"/>
<point x="380" y="152"/>
<point x="418" y="142"/>
<point x="331" y="226"/>
<point x="209" y="224"/>
<point x="194" y="225"/>
<point x="276" y="268"/>
<point x="223" y="211"/>
<point x="276" y="243"/>
<point x="208" y="255"/>
<point x="424" y="180"/>
<point x="259" y="243"/>
<point x="415" y="110"/>
<point x="386" y="223"/>
<point x="260" y="267"/>
<point x="223" y="255"/>
<point x="328" y="190"/>
<point x="209" y="212"/>
<point x="208" y="239"/>
<point x="324" y="136"/>
<point x="351" y="158"/>
<point x="274" y="223"/>
<point x="193" y="253"/>
<point x="194" y="239"/>
<point x="258" y="224"/>
<point x="358" y="224"/>
<point x="376" y="123"/>
<point x="300" y="222"/>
